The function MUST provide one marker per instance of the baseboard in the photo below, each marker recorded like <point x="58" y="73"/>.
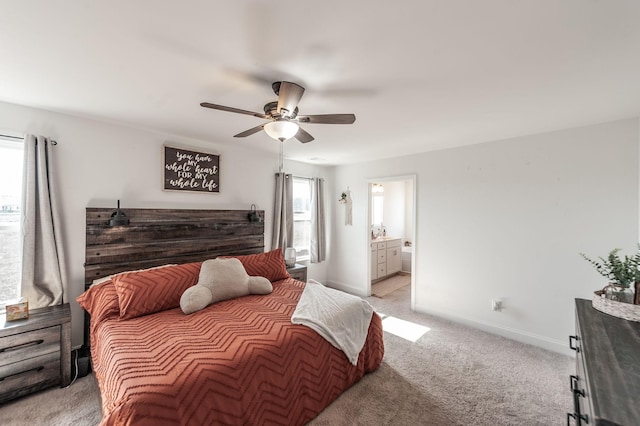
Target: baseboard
<point x="346" y="288"/>
<point x="510" y="333"/>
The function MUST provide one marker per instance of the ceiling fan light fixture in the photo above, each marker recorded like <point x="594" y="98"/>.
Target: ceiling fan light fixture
<point x="283" y="115"/>
<point x="281" y="129"/>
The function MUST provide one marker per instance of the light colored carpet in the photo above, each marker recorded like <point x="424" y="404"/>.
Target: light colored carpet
<point x="77" y="405"/>
<point x="453" y="375"/>
<point x="385" y="287"/>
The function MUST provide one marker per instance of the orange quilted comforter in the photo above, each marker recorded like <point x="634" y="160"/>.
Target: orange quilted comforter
<point x="236" y="362"/>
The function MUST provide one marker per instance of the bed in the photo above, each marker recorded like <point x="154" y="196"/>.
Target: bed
<point x="239" y="361"/>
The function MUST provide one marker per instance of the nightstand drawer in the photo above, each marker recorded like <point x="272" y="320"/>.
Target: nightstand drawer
<point x="298" y="272"/>
<point x="35" y="353"/>
<point x="24" y="377"/>
<point x="30" y="344"/>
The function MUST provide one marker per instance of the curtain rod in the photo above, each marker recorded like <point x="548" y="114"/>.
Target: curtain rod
<point x="11" y="137"/>
<point x="299" y="177"/>
<point x="22" y="138"/>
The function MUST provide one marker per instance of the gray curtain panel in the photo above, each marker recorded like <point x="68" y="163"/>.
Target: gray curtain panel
<point x="318" y="234"/>
<point x="282" y="236"/>
<point x="43" y="274"/>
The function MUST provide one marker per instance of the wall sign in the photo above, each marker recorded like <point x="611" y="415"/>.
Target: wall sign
<point x="186" y="170"/>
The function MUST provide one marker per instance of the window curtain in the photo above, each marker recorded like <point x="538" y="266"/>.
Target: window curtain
<point x="318" y="235"/>
<point x="43" y="276"/>
<point x="282" y="236"/>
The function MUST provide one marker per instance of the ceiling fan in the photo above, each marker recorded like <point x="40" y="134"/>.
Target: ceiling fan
<point x="283" y="115"/>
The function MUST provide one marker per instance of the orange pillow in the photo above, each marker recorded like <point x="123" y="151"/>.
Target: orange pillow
<point x="269" y="265"/>
<point x="153" y="290"/>
<point x="100" y="300"/>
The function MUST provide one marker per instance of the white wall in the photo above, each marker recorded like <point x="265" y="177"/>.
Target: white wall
<point x="398" y="208"/>
<point x="99" y="163"/>
<point x="394" y="208"/>
<point x="408" y="211"/>
<point x="507" y="219"/>
<point x="500" y="219"/>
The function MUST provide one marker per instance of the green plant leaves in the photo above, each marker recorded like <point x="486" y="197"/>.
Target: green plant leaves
<point x="619" y="272"/>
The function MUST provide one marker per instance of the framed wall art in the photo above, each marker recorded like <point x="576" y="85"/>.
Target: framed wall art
<point x="188" y="170"/>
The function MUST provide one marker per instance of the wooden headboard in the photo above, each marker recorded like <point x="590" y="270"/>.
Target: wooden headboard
<point x="159" y="236"/>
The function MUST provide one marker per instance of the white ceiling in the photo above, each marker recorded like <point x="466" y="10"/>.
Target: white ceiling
<point x="419" y="74"/>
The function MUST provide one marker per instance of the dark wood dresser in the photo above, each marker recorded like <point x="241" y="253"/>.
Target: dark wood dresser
<point x="35" y="353"/>
<point x="606" y="386"/>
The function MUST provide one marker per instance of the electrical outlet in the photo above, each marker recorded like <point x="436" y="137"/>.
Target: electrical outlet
<point x="496" y="305"/>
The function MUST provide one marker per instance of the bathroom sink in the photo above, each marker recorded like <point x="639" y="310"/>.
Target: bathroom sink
<point x="384" y="238"/>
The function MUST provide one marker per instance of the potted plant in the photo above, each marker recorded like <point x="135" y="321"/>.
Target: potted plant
<point x="621" y="273"/>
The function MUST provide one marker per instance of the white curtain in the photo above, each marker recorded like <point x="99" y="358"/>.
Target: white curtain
<point x="318" y="234"/>
<point x="282" y="236"/>
<point x="43" y="275"/>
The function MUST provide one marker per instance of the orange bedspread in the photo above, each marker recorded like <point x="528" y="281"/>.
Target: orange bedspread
<point x="236" y="362"/>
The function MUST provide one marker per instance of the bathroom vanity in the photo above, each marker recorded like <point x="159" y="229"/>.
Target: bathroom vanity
<point x="386" y="257"/>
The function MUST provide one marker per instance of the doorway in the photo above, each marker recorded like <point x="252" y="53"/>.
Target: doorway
<point x="391" y="234"/>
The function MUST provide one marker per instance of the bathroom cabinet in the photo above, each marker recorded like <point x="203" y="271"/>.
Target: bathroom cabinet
<point x="386" y="257"/>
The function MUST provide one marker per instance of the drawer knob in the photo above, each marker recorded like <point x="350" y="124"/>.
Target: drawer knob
<point x="574" y="385"/>
<point x="577" y="417"/>
<point x="572" y="340"/>
<point x="22" y="345"/>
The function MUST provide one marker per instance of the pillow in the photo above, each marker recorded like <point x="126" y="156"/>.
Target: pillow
<point x="221" y="279"/>
<point x="100" y="300"/>
<point x="269" y="265"/>
<point x="108" y="277"/>
<point x="153" y="290"/>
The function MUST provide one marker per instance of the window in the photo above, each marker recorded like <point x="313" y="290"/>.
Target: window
<point x="10" y="200"/>
<point x="302" y="217"/>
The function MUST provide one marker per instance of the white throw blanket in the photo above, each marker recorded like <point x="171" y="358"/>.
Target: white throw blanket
<point x="342" y="319"/>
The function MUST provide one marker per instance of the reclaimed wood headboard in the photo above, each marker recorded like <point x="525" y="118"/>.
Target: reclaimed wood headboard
<point x="156" y="237"/>
<point x="159" y="236"/>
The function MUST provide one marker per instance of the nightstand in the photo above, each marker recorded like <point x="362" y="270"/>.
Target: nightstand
<point x="298" y="272"/>
<point x="35" y="353"/>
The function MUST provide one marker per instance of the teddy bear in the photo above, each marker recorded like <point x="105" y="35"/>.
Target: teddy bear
<point x="221" y="279"/>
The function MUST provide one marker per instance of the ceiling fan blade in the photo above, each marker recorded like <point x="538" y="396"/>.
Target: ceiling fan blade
<point x="288" y="97"/>
<point x="249" y="132"/>
<point x="327" y="119"/>
<point x="303" y="136"/>
<point x="230" y="109"/>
